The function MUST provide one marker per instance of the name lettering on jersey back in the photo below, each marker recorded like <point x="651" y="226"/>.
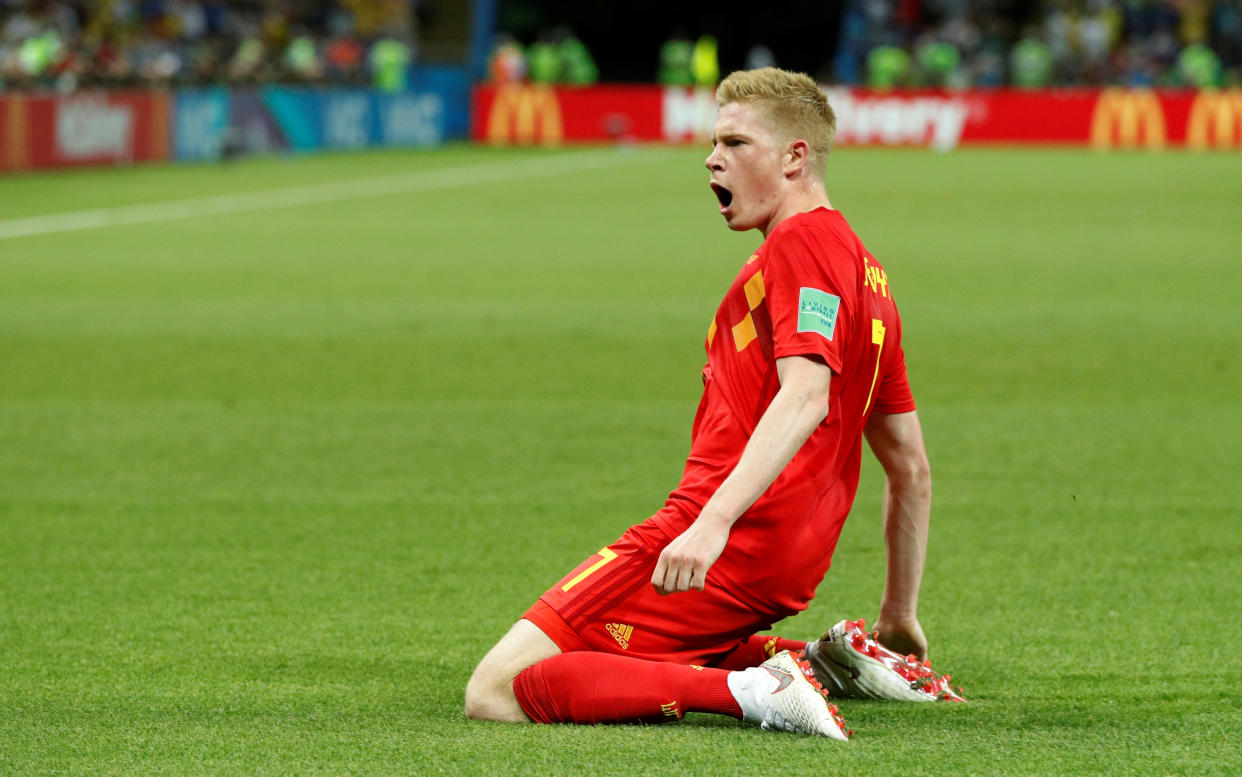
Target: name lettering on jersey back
<point x="876" y="278"/>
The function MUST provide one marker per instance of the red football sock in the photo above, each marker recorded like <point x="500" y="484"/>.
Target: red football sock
<point x="585" y="687"/>
<point x="756" y="650"/>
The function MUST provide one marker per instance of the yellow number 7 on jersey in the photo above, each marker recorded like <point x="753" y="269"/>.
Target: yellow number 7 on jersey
<point x="605" y="555"/>
<point x="877" y="338"/>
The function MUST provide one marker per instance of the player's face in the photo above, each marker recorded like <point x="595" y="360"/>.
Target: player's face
<point x="746" y="169"/>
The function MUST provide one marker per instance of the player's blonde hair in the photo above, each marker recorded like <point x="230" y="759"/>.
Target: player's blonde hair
<point x="793" y="103"/>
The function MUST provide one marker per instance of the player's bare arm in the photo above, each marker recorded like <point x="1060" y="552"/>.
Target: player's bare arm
<point x="798" y="407"/>
<point x="897" y="441"/>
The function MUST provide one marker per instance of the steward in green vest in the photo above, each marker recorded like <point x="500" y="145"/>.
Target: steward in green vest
<point x="1030" y="63"/>
<point x="577" y="66"/>
<point x="301" y="58"/>
<point x="1199" y="67"/>
<point x="938" y="63"/>
<point x="37" y="53"/>
<point x="706" y="62"/>
<point x="887" y="67"/>
<point x="390" y="59"/>
<point x="544" y="60"/>
<point x="675" y="57"/>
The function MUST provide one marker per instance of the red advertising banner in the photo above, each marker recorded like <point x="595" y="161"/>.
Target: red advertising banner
<point x="525" y="114"/>
<point x="1110" y="118"/>
<point x="40" y="131"/>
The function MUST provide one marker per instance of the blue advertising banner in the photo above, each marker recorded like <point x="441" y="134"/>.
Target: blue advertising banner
<point x="357" y="119"/>
<point x="211" y="123"/>
<point x="348" y="119"/>
<point x="200" y="121"/>
<point x="411" y="119"/>
<point x="452" y="85"/>
<point x="253" y="129"/>
<point x="298" y="114"/>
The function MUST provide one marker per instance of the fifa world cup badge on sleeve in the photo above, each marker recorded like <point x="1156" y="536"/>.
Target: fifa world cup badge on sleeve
<point x="817" y="311"/>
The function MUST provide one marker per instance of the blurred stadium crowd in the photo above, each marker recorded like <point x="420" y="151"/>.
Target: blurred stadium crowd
<point x="882" y="43"/>
<point x="986" y="43"/>
<point x="72" y="43"/>
<point x="964" y="44"/>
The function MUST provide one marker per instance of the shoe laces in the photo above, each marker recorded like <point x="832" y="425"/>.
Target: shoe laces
<point x="800" y="660"/>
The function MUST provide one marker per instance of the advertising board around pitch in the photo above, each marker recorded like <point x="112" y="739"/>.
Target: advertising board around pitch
<point x="96" y="127"/>
<point x="525" y="114"/>
<point x="278" y="119"/>
<point x="84" y="128"/>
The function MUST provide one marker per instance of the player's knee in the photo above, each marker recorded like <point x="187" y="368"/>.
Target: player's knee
<point x="476" y="702"/>
<point x="490" y="698"/>
<point x="489" y="694"/>
<point x="477" y="706"/>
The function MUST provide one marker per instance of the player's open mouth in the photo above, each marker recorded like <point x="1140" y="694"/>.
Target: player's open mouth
<point x="724" y="195"/>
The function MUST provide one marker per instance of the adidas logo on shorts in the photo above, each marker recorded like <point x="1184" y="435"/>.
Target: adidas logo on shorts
<point x="621" y="633"/>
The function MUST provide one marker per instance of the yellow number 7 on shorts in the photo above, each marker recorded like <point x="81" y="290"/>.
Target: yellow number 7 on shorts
<point x="605" y="555"/>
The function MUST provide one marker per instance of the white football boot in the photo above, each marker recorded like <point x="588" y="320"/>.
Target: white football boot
<point x="851" y="664"/>
<point x="782" y="694"/>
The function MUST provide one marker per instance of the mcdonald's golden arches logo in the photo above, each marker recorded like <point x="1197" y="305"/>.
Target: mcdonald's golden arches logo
<point x="525" y="115"/>
<point x="1215" y="120"/>
<point x="1128" y="119"/>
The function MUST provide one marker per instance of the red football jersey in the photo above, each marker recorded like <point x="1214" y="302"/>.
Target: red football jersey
<point x="810" y="290"/>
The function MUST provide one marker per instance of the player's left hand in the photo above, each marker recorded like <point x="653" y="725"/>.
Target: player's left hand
<point x="902" y="635"/>
<point x="684" y="562"/>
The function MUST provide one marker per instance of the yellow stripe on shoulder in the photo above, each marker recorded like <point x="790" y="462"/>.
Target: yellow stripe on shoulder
<point x="754" y="290"/>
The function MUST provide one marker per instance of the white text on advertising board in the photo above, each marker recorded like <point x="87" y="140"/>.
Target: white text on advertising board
<point x="689" y="114"/>
<point x="414" y="120"/>
<point x="346" y="122"/>
<point x="896" y="121"/>
<point x="88" y="126"/>
<point x="201" y="123"/>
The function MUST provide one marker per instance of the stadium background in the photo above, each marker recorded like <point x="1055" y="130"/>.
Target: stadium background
<point x="116" y="82"/>
<point x="316" y="366"/>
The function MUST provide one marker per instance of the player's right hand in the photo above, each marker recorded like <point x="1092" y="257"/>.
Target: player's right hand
<point x="684" y="562"/>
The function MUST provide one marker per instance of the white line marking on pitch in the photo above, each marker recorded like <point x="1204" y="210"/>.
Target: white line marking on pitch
<point x="332" y="191"/>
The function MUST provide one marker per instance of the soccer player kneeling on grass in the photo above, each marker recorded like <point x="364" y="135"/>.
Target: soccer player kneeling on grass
<point x="804" y="359"/>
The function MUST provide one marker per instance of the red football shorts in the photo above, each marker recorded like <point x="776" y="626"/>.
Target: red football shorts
<point x="608" y="604"/>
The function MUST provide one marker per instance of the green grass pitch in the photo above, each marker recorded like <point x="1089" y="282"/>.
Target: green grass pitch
<point x="271" y="482"/>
